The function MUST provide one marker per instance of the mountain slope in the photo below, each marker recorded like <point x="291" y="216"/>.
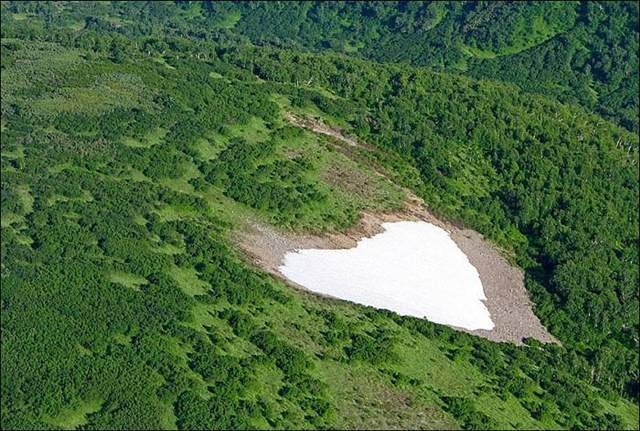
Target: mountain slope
<point x="128" y="163"/>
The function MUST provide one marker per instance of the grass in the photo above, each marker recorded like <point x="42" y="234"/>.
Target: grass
<point x="187" y="279"/>
<point x="168" y="249"/>
<point x="182" y="184"/>
<point x="369" y="401"/>
<point x="358" y="184"/>
<point x="526" y="39"/>
<point x="55" y="198"/>
<point x="230" y="20"/>
<point x="149" y="140"/>
<point x="349" y="185"/>
<point x="92" y="100"/>
<point x="116" y="90"/>
<point x="8" y="218"/>
<point x="347" y="180"/>
<point x="426" y="361"/>
<point x="226" y="208"/>
<point x="122" y="339"/>
<point x="477" y="52"/>
<point x="370" y="391"/>
<point x="192" y="12"/>
<point x="56" y="169"/>
<point x="16" y="154"/>
<point x="173" y="212"/>
<point x="127" y="279"/>
<point x="135" y="175"/>
<point x="20" y="16"/>
<point x="203" y="319"/>
<point x="26" y="199"/>
<point x="140" y="220"/>
<point x="310" y="110"/>
<point x="24" y="239"/>
<point x="350" y="47"/>
<point x="76" y="25"/>
<point x="180" y="354"/>
<point x="255" y="130"/>
<point x="72" y="418"/>
<point x="371" y="395"/>
<point x="628" y="412"/>
<point x="39" y="61"/>
<point x="208" y="148"/>
<point x="510" y="414"/>
<point x="440" y="13"/>
<point x="268" y="381"/>
<point x="216" y="75"/>
<point x="202" y="316"/>
<point x="161" y="60"/>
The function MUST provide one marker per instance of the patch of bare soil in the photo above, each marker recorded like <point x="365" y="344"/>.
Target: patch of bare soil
<point x="322" y="128"/>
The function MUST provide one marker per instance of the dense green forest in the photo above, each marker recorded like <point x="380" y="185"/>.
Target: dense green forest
<point x="136" y="137"/>
<point x="581" y="53"/>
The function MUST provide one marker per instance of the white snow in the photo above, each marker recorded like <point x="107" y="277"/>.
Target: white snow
<point x="413" y="268"/>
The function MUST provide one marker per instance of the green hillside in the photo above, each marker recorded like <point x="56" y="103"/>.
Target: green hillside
<point x="582" y="53"/>
<point x="138" y="138"/>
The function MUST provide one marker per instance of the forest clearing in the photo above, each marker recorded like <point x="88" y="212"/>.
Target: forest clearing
<point x="507" y="300"/>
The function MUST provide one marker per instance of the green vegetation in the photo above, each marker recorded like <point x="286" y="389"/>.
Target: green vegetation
<point x="580" y="52"/>
<point x="472" y="143"/>
<point x="72" y="419"/>
<point x="137" y="137"/>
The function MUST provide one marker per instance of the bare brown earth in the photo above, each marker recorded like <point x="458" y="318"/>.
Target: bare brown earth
<point x="320" y="127"/>
<point x="507" y="298"/>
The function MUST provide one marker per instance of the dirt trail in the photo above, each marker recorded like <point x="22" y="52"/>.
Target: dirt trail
<point x="320" y="127"/>
<point x="507" y="298"/>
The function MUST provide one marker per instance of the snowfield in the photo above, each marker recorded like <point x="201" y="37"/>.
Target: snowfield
<point x="413" y="268"/>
